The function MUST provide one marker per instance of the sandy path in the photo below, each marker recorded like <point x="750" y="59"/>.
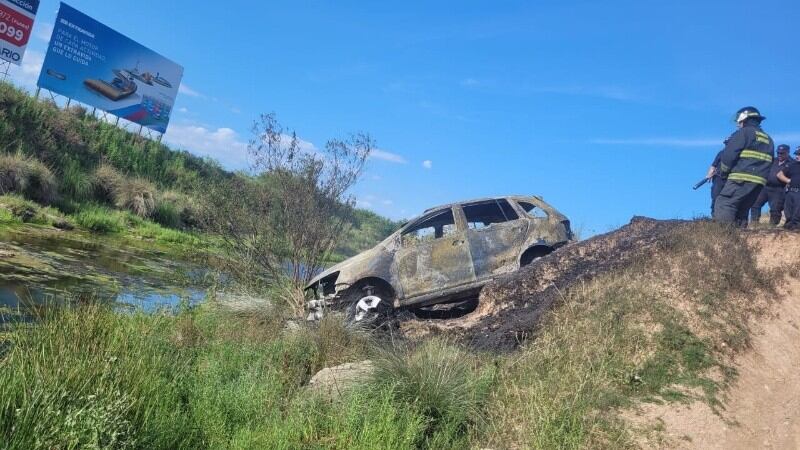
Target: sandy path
<point x="762" y="409"/>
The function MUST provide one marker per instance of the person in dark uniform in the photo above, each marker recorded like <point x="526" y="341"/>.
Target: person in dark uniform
<point x="746" y="161"/>
<point x="775" y="190"/>
<point x="797" y="154"/>
<point x="791" y="176"/>
<point x="717" y="181"/>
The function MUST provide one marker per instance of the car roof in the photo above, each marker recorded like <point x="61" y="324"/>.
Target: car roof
<point x="477" y="200"/>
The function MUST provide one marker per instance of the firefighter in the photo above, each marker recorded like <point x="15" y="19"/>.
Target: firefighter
<point x="775" y="190"/>
<point x="746" y="160"/>
<point x="717" y="181"/>
<point x="797" y="154"/>
<point x="791" y="176"/>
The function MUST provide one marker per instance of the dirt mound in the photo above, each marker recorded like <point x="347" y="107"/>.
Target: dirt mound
<point x="761" y="409"/>
<point x="511" y="306"/>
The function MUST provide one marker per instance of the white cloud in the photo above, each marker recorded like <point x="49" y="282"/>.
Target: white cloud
<point x="427" y="164"/>
<point x="186" y="90"/>
<point x="661" y="141"/>
<point x="183" y="109"/>
<point x="43" y="31"/>
<point x="387" y="202"/>
<point x="27" y="74"/>
<point x="222" y="144"/>
<point x="383" y="155"/>
<point x="363" y="204"/>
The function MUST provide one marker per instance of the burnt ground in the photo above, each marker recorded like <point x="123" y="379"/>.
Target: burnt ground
<point x="511" y="306"/>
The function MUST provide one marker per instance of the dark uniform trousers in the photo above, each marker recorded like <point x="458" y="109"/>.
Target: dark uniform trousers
<point x="776" y="196"/>
<point x="735" y="201"/>
<point x="792" y="209"/>
<point x="717" y="184"/>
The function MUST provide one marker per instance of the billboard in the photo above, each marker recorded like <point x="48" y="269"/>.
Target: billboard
<point x="16" y="25"/>
<point x="91" y="63"/>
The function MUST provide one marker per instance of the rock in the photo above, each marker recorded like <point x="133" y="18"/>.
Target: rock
<point x="333" y="381"/>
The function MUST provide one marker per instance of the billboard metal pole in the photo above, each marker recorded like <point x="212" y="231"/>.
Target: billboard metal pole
<point x="38" y="89"/>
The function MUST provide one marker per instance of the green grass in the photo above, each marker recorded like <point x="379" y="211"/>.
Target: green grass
<point x="90" y="377"/>
<point x="100" y="219"/>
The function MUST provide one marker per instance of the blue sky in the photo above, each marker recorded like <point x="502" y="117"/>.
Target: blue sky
<point x="607" y="109"/>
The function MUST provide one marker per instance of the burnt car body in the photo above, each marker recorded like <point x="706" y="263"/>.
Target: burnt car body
<point x="446" y="254"/>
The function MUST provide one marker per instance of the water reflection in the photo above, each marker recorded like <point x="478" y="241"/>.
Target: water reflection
<point x="44" y="267"/>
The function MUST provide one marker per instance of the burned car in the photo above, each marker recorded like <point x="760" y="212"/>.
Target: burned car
<point x="445" y="255"/>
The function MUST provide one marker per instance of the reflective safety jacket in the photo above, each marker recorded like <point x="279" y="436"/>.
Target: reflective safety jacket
<point x="748" y="155"/>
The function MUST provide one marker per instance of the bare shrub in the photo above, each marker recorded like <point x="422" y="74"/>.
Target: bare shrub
<point x="289" y="215"/>
<point x="134" y="194"/>
<point x="28" y="177"/>
<point x="107" y="181"/>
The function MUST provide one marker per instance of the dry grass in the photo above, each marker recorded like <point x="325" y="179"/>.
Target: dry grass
<point x="28" y="177"/>
<point x="133" y="194"/>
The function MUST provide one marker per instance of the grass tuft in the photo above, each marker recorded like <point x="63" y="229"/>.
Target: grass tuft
<point x="27" y="176"/>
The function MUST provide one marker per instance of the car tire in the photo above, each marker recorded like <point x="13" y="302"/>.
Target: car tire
<point x="363" y="310"/>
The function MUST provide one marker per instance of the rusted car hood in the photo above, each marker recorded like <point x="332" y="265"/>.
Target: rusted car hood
<point x="353" y="261"/>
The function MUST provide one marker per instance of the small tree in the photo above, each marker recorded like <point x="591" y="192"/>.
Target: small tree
<point x="287" y="214"/>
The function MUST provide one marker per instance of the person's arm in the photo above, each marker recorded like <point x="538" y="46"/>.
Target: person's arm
<point x="711" y="171"/>
<point x="733" y="148"/>
<point x="784" y="179"/>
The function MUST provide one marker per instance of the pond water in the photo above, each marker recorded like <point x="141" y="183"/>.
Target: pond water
<point x="40" y="266"/>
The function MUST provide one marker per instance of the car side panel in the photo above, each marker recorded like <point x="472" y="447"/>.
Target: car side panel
<point x="495" y="249"/>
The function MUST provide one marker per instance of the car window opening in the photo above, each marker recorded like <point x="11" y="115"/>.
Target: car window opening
<point x="436" y="227"/>
<point x="533" y="211"/>
<point x="482" y="215"/>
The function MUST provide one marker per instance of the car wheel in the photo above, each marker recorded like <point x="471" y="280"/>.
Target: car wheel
<point x="369" y="308"/>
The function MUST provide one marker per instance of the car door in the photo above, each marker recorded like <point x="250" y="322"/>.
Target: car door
<point x="434" y="254"/>
<point x="495" y="233"/>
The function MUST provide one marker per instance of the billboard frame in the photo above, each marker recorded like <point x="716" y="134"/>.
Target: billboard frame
<point x="79" y="61"/>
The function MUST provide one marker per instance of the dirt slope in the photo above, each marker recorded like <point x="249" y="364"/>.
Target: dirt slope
<point x="762" y="407"/>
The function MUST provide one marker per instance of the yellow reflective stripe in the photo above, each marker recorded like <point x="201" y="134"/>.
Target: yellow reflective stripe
<point x="752" y="154"/>
<point x="750" y="178"/>
<point x="762" y="137"/>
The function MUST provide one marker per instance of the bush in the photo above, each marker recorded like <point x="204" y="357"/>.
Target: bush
<point x="136" y="195"/>
<point x="16" y="209"/>
<point x="75" y="183"/>
<point x="107" y="181"/>
<point x="100" y="220"/>
<point x="167" y="214"/>
<point x="133" y="194"/>
<point x="28" y="177"/>
<point x="439" y="380"/>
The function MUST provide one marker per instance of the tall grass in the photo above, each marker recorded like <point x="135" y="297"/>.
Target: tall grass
<point x="206" y="378"/>
<point x="27" y="176"/>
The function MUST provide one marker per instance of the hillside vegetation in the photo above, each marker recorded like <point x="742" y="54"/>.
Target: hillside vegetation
<point x="110" y="180"/>
<point x="658" y="314"/>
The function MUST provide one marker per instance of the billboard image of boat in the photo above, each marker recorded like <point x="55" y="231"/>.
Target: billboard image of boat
<point x="93" y="64"/>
